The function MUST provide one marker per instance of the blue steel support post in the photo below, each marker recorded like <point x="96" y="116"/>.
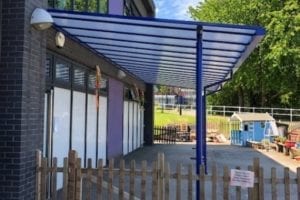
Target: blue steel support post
<point x="204" y="130"/>
<point x="199" y="107"/>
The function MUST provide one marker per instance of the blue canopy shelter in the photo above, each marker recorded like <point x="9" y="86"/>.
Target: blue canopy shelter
<point x="176" y="53"/>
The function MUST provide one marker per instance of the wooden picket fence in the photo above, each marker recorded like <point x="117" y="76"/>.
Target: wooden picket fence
<point x="156" y="182"/>
<point x="165" y="135"/>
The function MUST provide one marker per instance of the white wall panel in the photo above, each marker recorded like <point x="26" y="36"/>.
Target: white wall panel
<point x="130" y="129"/>
<point x="45" y="126"/>
<point x="91" y="129"/>
<point x="138" y="126"/>
<point x="61" y="124"/>
<point x="61" y="127"/>
<point x="102" y="129"/>
<point x="125" y="128"/>
<point x="78" y="124"/>
<point x="142" y="125"/>
<point x="134" y="126"/>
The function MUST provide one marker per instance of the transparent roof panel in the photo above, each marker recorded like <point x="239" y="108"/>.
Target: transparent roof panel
<point x="160" y="51"/>
<point x="98" y="18"/>
<point x="232" y="54"/>
<point x="146" y="56"/>
<point x="136" y="45"/>
<point x="224" y="46"/>
<point x="216" y="28"/>
<point x="226" y="38"/>
<point x="127" y="29"/>
<point x="132" y="38"/>
<point x="103" y="48"/>
<point x="219" y="58"/>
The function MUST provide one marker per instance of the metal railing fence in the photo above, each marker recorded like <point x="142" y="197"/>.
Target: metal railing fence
<point x="284" y="114"/>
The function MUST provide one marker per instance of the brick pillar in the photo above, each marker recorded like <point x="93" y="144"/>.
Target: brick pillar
<point x="22" y="83"/>
<point x="149" y="115"/>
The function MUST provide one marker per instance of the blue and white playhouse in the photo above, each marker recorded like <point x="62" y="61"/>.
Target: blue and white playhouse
<point x="252" y="127"/>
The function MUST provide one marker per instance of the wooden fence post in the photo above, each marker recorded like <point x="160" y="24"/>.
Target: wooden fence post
<point x="78" y="180"/>
<point x="110" y="179"/>
<point x="238" y="189"/>
<point x="65" y="179"/>
<point x="72" y="175"/>
<point x="226" y="179"/>
<point x="286" y="181"/>
<point x="54" y="179"/>
<point x="44" y="178"/>
<point x="167" y="181"/>
<point x="214" y="182"/>
<point x="89" y="180"/>
<point x="161" y="173"/>
<point x="178" y="181"/>
<point x="143" y="179"/>
<point x="132" y="180"/>
<point x="190" y="182"/>
<point x="261" y="183"/>
<point x="202" y="181"/>
<point x="250" y="190"/>
<point x="273" y="183"/>
<point x="154" y="181"/>
<point x="256" y="177"/>
<point x="38" y="156"/>
<point x="99" y="179"/>
<point x="298" y="182"/>
<point x="122" y="180"/>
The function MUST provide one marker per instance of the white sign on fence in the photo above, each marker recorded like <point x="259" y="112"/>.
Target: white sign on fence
<point x="241" y="178"/>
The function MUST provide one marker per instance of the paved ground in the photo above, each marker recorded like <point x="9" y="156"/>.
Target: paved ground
<point x="221" y="154"/>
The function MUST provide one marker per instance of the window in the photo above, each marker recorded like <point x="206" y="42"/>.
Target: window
<point x="262" y="124"/>
<point x="98" y="6"/>
<point x="130" y="8"/>
<point x="62" y="71"/>
<point x="92" y="83"/>
<point x="246" y="127"/>
<point x="79" y="77"/>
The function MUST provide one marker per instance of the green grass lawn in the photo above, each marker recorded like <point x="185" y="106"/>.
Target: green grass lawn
<point x="219" y="124"/>
<point x="171" y="117"/>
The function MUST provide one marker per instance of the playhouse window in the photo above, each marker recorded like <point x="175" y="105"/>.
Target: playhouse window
<point x="246" y="127"/>
<point x="262" y="124"/>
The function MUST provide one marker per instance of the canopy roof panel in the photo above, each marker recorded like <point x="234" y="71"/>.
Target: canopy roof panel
<point x="160" y="51"/>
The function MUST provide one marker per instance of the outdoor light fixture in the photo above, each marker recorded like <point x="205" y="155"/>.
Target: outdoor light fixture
<point x="60" y="40"/>
<point x="121" y="74"/>
<point x="41" y="19"/>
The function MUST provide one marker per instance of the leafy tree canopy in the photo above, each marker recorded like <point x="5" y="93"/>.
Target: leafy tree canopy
<point x="271" y="75"/>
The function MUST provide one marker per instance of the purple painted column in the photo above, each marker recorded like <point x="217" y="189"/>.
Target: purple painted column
<point x="115" y="119"/>
<point x="115" y="7"/>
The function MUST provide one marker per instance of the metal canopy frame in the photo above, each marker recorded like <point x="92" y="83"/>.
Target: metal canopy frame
<point x="160" y="51"/>
<point x="184" y="54"/>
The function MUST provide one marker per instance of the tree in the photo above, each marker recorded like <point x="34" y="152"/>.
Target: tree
<point x="271" y="75"/>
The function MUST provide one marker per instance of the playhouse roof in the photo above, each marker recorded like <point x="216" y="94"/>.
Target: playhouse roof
<point x="251" y="117"/>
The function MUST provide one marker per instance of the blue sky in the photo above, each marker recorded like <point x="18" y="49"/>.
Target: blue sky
<point x="174" y="9"/>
